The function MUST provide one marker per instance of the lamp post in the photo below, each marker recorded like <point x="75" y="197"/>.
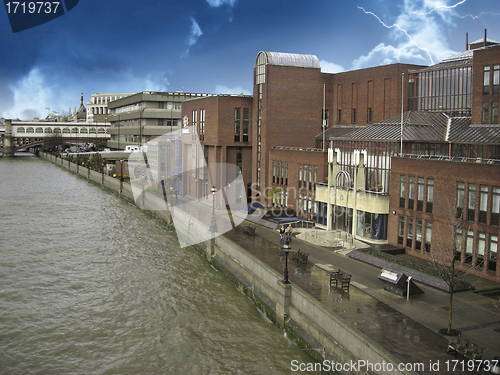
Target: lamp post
<point x="286" y="248"/>
<point x="213" y="223"/>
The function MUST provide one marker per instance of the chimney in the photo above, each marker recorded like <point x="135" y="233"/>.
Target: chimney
<point x="466" y="41"/>
<point x="484" y="41"/>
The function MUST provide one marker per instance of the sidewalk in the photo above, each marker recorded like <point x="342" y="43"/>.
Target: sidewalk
<point x="406" y="328"/>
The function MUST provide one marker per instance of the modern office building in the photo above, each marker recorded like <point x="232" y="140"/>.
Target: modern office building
<point x="140" y="117"/>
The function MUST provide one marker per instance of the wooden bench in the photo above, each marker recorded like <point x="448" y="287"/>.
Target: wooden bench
<point x="465" y="348"/>
<point x="340" y="279"/>
<point x="249" y="229"/>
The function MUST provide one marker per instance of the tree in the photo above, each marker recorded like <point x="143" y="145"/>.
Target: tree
<point x="53" y="142"/>
<point x="274" y="194"/>
<point x="446" y="256"/>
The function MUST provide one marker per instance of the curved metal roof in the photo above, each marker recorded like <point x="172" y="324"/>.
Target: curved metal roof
<point x="290" y="59"/>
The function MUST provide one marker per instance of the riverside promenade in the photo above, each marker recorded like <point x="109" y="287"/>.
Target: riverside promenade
<point x="407" y="329"/>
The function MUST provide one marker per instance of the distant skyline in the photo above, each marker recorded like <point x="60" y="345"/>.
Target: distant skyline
<point x="210" y="46"/>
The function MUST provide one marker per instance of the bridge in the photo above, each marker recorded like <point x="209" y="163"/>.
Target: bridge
<point x="27" y="134"/>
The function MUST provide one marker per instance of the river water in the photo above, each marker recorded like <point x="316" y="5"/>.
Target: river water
<point x="90" y="284"/>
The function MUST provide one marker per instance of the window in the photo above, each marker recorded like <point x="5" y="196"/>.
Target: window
<point x="428" y="236"/>
<point x="237" y="120"/>
<point x="486" y="113"/>
<point x="430" y="194"/>
<point x="481" y="243"/>
<point x="274" y="172"/>
<point x="401" y="230"/>
<point x="202" y="124"/>
<point x="411" y="193"/>
<point x="353" y="115"/>
<point x="369" y="115"/>
<point x="418" y="234"/>
<point x="483" y="204"/>
<point x="402" y="185"/>
<point x="239" y="158"/>
<point x="496" y="78"/>
<point x="409" y="233"/>
<point x="458" y="244"/>
<point x="420" y="194"/>
<point x="339" y="116"/>
<point x="494" y="112"/>
<point x="495" y="205"/>
<point x="460" y="199"/>
<point x="300" y="176"/>
<point x="486" y="80"/>
<point x="246" y="121"/>
<point x="469" y="242"/>
<point x="471" y="204"/>
<point x="492" y="257"/>
<point x="286" y="173"/>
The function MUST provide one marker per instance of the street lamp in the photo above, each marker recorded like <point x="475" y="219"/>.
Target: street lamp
<point x="213" y="223"/>
<point x="287" y="249"/>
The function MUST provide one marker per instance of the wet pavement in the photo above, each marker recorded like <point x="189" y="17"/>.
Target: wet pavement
<point x="406" y="328"/>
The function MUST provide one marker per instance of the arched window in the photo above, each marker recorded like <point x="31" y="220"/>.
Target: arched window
<point x="30" y="130"/>
<point x="74" y="130"/>
<point x="57" y="130"/>
<point x="21" y="130"/>
<point x="83" y="131"/>
<point x="39" y="130"/>
<point x="92" y="130"/>
<point x="65" y="130"/>
<point x="48" y="130"/>
<point x="101" y="131"/>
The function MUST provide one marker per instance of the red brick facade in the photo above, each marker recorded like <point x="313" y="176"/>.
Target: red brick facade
<point x="479" y="227"/>
<point x="489" y="57"/>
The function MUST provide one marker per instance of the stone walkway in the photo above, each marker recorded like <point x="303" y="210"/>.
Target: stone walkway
<point x="406" y="328"/>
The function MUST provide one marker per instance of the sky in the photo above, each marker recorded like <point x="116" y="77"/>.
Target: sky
<point x="210" y="46"/>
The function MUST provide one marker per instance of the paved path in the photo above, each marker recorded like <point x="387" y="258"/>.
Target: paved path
<point x="406" y="328"/>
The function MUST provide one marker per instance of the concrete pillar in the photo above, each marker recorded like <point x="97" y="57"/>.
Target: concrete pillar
<point x="8" y="144"/>
<point x="332" y="173"/>
<point x="283" y="301"/>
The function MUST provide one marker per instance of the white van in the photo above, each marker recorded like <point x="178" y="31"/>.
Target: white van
<point x="131" y="148"/>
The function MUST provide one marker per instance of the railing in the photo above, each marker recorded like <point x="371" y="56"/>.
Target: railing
<point x="451" y="158"/>
<point x="286" y="148"/>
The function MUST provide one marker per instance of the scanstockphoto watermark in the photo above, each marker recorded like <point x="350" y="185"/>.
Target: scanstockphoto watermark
<point x="204" y="200"/>
<point x="448" y="366"/>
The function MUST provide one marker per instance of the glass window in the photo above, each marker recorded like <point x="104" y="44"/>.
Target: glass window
<point x="481" y="243"/>
<point x="401" y="229"/>
<point x="274" y="172"/>
<point x="483" y="204"/>
<point x="469" y="242"/>
<point x="420" y="194"/>
<point x="486" y="113"/>
<point x="471" y="203"/>
<point x="411" y="193"/>
<point x="496" y="78"/>
<point x="418" y="234"/>
<point x="409" y="232"/>
<point x="428" y="236"/>
<point x="430" y="194"/>
<point x="237" y="123"/>
<point x="402" y="191"/>
<point x="460" y="199"/>
<point x="353" y="116"/>
<point x="246" y="122"/>
<point x="494" y="112"/>
<point x="458" y="244"/>
<point x="495" y="205"/>
<point x="492" y="257"/>
<point x="486" y="80"/>
<point x="300" y="176"/>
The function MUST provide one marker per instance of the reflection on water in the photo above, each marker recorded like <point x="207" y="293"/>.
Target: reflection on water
<point x="90" y="284"/>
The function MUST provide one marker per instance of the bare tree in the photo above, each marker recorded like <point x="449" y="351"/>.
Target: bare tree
<point x="445" y="258"/>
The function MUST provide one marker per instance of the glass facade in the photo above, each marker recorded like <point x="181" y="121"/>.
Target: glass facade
<point x="444" y="90"/>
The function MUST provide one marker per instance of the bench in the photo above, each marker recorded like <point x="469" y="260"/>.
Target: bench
<point x="300" y="258"/>
<point x="249" y="229"/>
<point x="340" y="279"/>
<point x="465" y="348"/>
